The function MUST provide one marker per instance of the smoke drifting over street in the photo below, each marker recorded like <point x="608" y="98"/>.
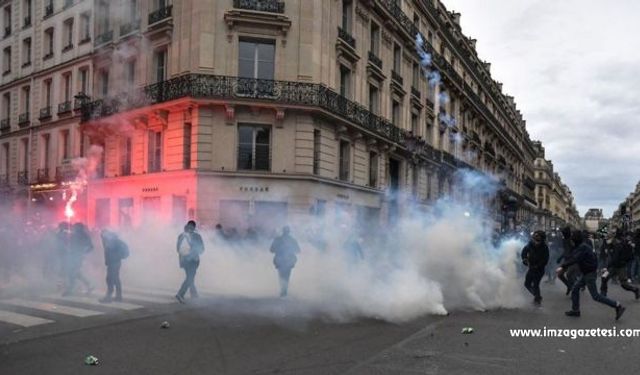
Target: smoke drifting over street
<point x="428" y="263"/>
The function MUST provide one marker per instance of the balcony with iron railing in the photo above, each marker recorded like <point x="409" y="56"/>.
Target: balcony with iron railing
<point x="160" y="14"/>
<point x="203" y="86"/>
<point x="104" y="38"/>
<point x="43" y="175"/>
<point x="23" y="178"/>
<point x="45" y="113"/>
<point x="397" y="77"/>
<point x="375" y="60"/>
<point x="415" y="92"/>
<point x="64" y="107"/>
<point x="129" y="27"/>
<point x="271" y="6"/>
<point x="23" y="120"/>
<point x="344" y="35"/>
<point x="64" y="174"/>
<point x="5" y="125"/>
<point x="48" y="10"/>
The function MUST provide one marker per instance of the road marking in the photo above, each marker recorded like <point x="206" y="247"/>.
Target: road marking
<point x="95" y="302"/>
<point x="154" y="298"/>
<point x="52" y="307"/>
<point x="22" y="319"/>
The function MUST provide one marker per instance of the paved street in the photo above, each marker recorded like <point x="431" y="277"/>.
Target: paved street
<point x="247" y="336"/>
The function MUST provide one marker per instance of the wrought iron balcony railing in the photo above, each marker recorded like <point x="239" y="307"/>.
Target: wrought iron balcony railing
<point x="415" y="92"/>
<point x="5" y="125"/>
<point x="397" y="77"/>
<point x="202" y="86"/>
<point x="23" y="178"/>
<point x="272" y="6"/>
<point x="64" y="107"/>
<point x="43" y="175"/>
<point x="45" y="113"/>
<point x="344" y="35"/>
<point x="103" y="38"/>
<point x="160" y="14"/>
<point x="130" y="27"/>
<point x="48" y="10"/>
<point x="375" y="60"/>
<point x="23" y="120"/>
<point x="65" y="174"/>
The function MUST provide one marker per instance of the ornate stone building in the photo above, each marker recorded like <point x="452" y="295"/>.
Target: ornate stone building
<point x="255" y="113"/>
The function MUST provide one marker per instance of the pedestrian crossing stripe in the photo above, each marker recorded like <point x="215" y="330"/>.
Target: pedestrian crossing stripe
<point x="94" y="302"/>
<point x="23" y="320"/>
<point x="51" y="307"/>
<point x="153" y="298"/>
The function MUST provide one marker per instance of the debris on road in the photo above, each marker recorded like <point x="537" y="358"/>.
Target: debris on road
<point x="91" y="360"/>
<point x="467" y="330"/>
<point x="165" y="324"/>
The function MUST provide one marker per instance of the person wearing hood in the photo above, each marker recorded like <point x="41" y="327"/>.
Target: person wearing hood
<point x="115" y="250"/>
<point x="284" y="248"/>
<point x="621" y="256"/>
<point x="584" y="257"/>
<point x="535" y="255"/>
<point x="568" y="276"/>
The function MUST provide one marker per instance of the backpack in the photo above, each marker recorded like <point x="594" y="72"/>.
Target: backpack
<point x="123" y="250"/>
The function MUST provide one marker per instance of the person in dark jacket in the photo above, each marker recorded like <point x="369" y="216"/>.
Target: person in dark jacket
<point x="535" y="255"/>
<point x="285" y="248"/>
<point x="115" y="250"/>
<point x="79" y="246"/>
<point x="584" y="257"/>
<point x="621" y="256"/>
<point x="189" y="247"/>
<point x="568" y="276"/>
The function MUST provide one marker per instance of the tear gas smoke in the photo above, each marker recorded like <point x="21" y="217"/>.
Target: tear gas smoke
<point x="427" y="263"/>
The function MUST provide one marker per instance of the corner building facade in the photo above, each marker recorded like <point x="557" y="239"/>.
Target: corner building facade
<point x="256" y="113"/>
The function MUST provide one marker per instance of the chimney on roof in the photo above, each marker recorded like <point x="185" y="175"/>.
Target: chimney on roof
<point x="473" y="42"/>
<point x="456" y="17"/>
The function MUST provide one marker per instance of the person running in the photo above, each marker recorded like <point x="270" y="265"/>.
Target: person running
<point x="621" y="256"/>
<point x="284" y="248"/>
<point x="568" y="276"/>
<point x="189" y="247"/>
<point x="535" y="255"/>
<point x="115" y="250"/>
<point x="585" y="258"/>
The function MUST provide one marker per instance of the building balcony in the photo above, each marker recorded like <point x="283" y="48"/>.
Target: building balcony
<point x="64" y="174"/>
<point x="48" y="10"/>
<point x="104" y="38"/>
<point x="23" y="178"/>
<point x="346" y="37"/>
<point x="161" y="14"/>
<point x="45" y="113"/>
<point x="271" y="6"/>
<point x="129" y="28"/>
<point x="64" y="107"/>
<point x="415" y="92"/>
<point x="375" y="60"/>
<point x="397" y="77"/>
<point x="5" y="125"/>
<point x="27" y="22"/>
<point x="23" y="120"/>
<point x="214" y="87"/>
<point x="43" y="175"/>
<point x="7" y="31"/>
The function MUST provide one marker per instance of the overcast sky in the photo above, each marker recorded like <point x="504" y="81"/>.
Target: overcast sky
<point x="574" y="69"/>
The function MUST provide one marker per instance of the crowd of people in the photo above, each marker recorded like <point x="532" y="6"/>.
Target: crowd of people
<point x="578" y="258"/>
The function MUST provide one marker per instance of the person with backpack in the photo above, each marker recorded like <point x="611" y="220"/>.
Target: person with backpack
<point x="79" y="246"/>
<point x="115" y="250"/>
<point x="535" y="255"/>
<point x="189" y="247"/>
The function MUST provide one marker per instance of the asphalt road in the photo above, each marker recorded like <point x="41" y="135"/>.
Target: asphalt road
<point x="281" y="337"/>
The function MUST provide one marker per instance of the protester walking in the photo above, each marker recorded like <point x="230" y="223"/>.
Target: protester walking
<point x="535" y="255"/>
<point x="621" y="256"/>
<point x="115" y="250"/>
<point x="79" y="246"/>
<point x="285" y="248"/>
<point x="189" y="246"/>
